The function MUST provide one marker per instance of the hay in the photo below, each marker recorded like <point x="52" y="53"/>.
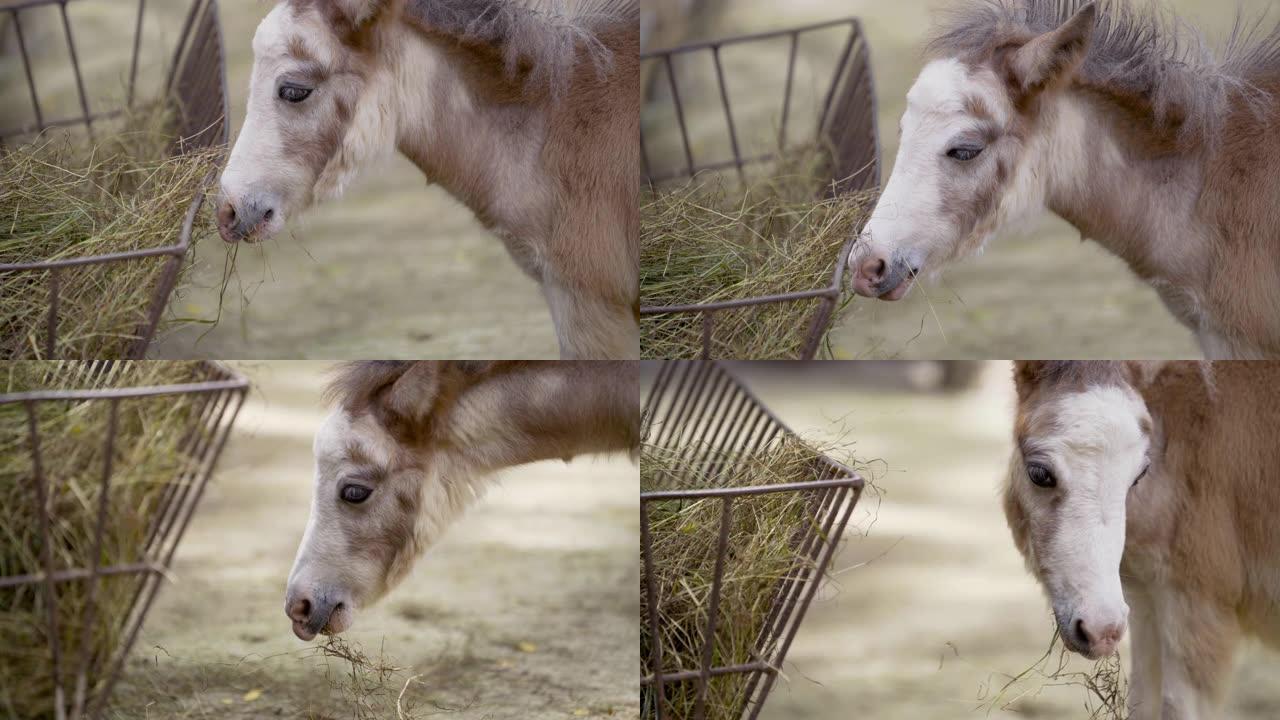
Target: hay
<point x="61" y="198"/>
<point x="761" y="553"/>
<point x="149" y="455"/>
<point x="1106" y="689"/>
<point x="716" y="239"/>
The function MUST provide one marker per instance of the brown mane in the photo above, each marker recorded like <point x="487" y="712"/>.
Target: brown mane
<point x="1142" y="53"/>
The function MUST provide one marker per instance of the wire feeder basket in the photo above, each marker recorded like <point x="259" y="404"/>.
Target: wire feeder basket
<point x="220" y="394"/>
<point x="847" y="126"/>
<point x="195" y="79"/>
<point x="700" y="410"/>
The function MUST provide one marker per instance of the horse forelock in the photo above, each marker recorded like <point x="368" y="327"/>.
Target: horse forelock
<point x="1135" y="52"/>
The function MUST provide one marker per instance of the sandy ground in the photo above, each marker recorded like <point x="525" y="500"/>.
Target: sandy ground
<point x="1040" y="293"/>
<point x="526" y="608"/>
<point x="932" y="607"/>
<point x="393" y="269"/>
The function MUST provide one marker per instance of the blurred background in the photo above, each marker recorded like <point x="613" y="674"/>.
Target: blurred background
<point x="1039" y="293"/>
<point x="393" y="269"/>
<point x="928" y="609"/>
<point x="525" y="609"/>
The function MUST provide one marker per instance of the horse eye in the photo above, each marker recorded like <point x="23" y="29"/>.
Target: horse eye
<point x="1041" y="477"/>
<point x="1141" y="475"/>
<point x="964" y="154"/>
<point x="293" y="93"/>
<point x="355" y="494"/>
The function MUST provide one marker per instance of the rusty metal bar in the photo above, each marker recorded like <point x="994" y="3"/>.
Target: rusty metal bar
<point x="728" y="112"/>
<point x="675" y="98"/>
<point x="79" y="574"/>
<point x="91" y="609"/>
<point x="137" y="45"/>
<point x="51" y="318"/>
<point x="46" y="554"/>
<point x="646" y="551"/>
<point x="26" y="63"/>
<point x="786" y="93"/>
<point x="713" y="611"/>
<point x="75" y="67"/>
<point x="684" y="675"/>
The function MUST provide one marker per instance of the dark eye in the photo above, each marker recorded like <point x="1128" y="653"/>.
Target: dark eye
<point x="964" y="154"/>
<point x="1141" y="475"/>
<point x="293" y="93"/>
<point x="355" y="494"/>
<point x="1041" y="477"/>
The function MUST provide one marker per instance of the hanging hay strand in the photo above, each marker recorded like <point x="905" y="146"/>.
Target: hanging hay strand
<point x="62" y="198"/>
<point x="763" y="550"/>
<point x="715" y="239"/>
<point x="150" y="452"/>
<point x="1106" y="689"/>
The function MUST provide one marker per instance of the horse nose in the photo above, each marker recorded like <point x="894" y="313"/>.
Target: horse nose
<point x="1100" y="639"/>
<point x="241" y="220"/>
<point x="309" y="613"/>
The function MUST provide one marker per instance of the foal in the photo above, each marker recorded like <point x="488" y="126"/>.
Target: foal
<point x="1119" y="122"/>
<point x="410" y="445"/>
<point x="527" y="111"/>
<point x="1146" y="494"/>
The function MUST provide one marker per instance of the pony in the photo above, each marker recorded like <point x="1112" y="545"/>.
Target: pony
<point x="527" y="111"/>
<point x="1119" y="120"/>
<point x="1143" y="497"/>
<point x="408" y="446"/>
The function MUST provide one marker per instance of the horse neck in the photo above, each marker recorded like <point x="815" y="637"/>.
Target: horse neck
<point x="462" y="135"/>
<point x="1120" y="185"/>
<point x="528" y="411"/>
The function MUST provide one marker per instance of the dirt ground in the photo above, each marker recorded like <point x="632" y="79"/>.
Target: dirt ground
<point x="932" y="607"/>
<point x="393" y="269"/>
<point x="526" y="608"/>
<point x="1040" y="293"/>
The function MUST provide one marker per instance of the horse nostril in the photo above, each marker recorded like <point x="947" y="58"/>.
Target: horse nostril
<point x="300" y="610"/>
<point x="1081" y="637"/>
<point x="268" y="214"/>
<point x="874" y="269"/>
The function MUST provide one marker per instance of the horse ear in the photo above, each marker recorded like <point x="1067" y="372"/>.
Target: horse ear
<point x="1054" y="55"/>
<point x="413" y="394"/>
<point x="1026" y="374"/>
<point x="358" y="12"/>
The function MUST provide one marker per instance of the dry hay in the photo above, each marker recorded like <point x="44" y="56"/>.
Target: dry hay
<point x="1106" y="689"/>
<point x="149" y="454"/>
<point x="328" y="680"/>
<point x="62" y="197"/>
<point x="717" y="239"/>
<point x="762" y="551"/>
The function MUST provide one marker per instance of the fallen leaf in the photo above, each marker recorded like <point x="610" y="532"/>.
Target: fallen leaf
<point x="527" y="647"/>
<point x="253" y="694"/>
<point x="581" y="712"/>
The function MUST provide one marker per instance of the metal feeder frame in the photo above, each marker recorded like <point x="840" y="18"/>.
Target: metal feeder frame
<point x="222" y="394"/>
<point x="197" y="80"/>
<point x="847" y="124"/>
<point x="701" y="409"/>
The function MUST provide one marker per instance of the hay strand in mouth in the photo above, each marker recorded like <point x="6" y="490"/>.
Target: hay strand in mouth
<point x="715" y="239"/>
<point x="64" y="198"/>
<point x="1106" y="689"/>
